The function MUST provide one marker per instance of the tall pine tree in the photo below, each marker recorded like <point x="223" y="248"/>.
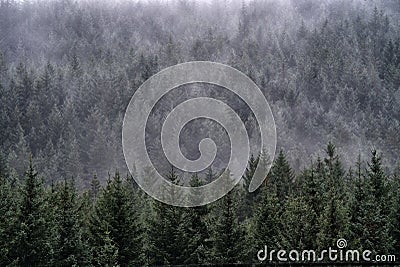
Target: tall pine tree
<point x="116" y="213"/>
<point x="33" y="242"/>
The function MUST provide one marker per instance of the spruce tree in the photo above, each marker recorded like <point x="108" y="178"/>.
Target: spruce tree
<point x="248" y="199"/>
<point x="281" y="176"/>
<point x="33" y="243"/>
<point x="95" y="187"/>
<point x="360" y="208"/>
<point x="379" y="193"/>
<point x="266" y="221"/>
<point x="227" y="234"/>
<point x="195" y="229"/>
<point x="108" y="252"/>
<point x="70" y="248"/>
<point x="7" y="219"/>
<point x="296" y="224"/>
<point x="311" y="191"/>
<point x="166" y="237"/>
<point x="333" y="221"/>
<point x="116" y="213"/>
<point x="370" y="224"/>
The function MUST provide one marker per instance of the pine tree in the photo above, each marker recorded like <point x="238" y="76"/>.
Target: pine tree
<point x="266" y="221"/>
<point x="248" y="199"/>
<point x="108" y="252"/>
<point x="210" y="175"/>
<point x="70" y="249"/>
<point x="369" y="224"/>
<point x="227" y="234"/>
<point x="33" y="244"/>
<point x="45" y="86"/>
<point x="359" y="208"/>
<point x="296" y="224"/>
<point x="75" y="64"/>
<point x="311" y="191"/>
<point x="116" y="212"/>
<point x="195" y="229"/>
<point x="94" y="188"/>
<point x="7" y="219"/>
<point x="166" y="238"/>
<point x="377" y="179"/>
<point x="333" y="221"/>
<point x="378" y="191"/>
<point x="23" y="88"/>
<point x="281" y="176"/>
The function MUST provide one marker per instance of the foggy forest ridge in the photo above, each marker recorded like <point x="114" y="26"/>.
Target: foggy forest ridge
<point x="329" y="70"/>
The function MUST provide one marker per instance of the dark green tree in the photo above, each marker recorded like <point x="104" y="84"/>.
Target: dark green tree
<point x="166" y="237"/>
<point x="227" y="234"/>
<point x="379" y="224"/>
<point x="108" y="252"/>
<point x="296" y="224"/>
<point x="266" y="221"/>
<point x="248" y="199"/>
<point x="116" y="212"/>
<point x="281" y="176"/>
<point x="333" y="221"/>
<point x="8" y="211"/>
<point x="33" y="244"/>
<point x="195" y="229"/>
<point x="70" y="248"/>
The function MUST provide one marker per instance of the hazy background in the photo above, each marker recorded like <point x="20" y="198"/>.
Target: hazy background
<point x="329" y="69"/>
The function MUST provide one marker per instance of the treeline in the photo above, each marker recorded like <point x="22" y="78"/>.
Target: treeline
<point x="329" y="69"/>
<point x="118" y="225"/>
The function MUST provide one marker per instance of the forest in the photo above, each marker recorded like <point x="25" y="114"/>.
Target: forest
<point x="330" y="71"/>
<point x="119" y="225"/>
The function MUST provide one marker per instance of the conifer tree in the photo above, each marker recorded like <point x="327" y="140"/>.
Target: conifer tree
<point x="33" y="245"/>
<point x="195" y="229"/>
<point x="378" y="192"/>
<point x="70" y="248"/>
<point x="248" y="199"/>
<point x="296" y="224"/>
<point x="312" y="193"/>
<point x="227" y="234"/>
<point x="281" y="176"/>
<point x="333" y="221"/>
<point x="108" y="252"/>
<point x="167" y="241"/>
<point x="116" y="213"/>
<point x="94" y="188"/>
<point x="369" y="224"/>
<point x="7" y="219"/>
<point x="266" y="220"/>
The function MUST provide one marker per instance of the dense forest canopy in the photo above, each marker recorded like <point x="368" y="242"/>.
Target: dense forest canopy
<point x="329" y="69"/>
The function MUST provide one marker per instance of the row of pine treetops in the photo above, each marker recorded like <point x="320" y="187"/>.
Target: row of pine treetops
<point x="117" y="224"/>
